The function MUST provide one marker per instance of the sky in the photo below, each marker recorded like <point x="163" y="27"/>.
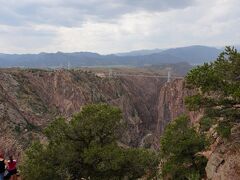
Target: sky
<point x="110" y="26"/>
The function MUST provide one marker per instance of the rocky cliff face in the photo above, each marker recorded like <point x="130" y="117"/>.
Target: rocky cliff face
<point x="30" y="99"/>
<point x="170" y="103"/>
<point x="224" y="158"/>
<point x="223" y="155"/>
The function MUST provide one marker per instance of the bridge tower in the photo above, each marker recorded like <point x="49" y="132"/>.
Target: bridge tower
<point x="110" y="73"/>
<point x="69" y="65"/>
<point x="169" y="74"/>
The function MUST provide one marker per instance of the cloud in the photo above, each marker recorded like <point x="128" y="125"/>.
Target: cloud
<point x="75" y="12"/>
<point x="108" y="26"/>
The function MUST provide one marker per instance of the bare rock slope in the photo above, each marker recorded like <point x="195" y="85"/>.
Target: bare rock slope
<point x="30" y="99"/>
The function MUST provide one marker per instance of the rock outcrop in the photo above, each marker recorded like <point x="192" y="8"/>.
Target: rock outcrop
<point x="224" y="160"/>
<point x="30" y="99"/>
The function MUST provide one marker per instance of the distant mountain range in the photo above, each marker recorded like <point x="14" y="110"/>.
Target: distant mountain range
<point x="140" y="52"/>
<point x="191" y="54"/>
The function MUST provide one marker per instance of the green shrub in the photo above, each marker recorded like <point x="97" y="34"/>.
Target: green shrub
<point x="217" y="90"/>
<point x="206" y="123"/>
<point x="179" y="145"/>
<point x="86" y="147"/>
<point x="224" y="129"/>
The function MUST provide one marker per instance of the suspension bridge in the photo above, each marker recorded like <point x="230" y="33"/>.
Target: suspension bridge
<point x="111" y="74"/>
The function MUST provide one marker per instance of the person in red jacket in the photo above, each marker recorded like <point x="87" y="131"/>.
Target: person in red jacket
<point x="2" y="166"/>
<point x="12" y="168"/>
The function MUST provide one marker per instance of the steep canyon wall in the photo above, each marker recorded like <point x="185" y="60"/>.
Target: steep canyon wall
<point x="30" y="99"/>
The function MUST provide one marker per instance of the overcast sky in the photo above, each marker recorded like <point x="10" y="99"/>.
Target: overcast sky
<point x="108" y="26"/>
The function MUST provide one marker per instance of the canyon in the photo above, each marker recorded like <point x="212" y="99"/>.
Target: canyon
<point x="30" y="99"/>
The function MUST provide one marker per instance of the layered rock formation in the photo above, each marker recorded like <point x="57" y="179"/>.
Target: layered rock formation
<point x="30" y="99"/>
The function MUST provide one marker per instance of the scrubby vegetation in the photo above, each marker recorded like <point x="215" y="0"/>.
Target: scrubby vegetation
<point x="218" y="90"/>
<point x="180" y="145"/>
<point x="87" y="147"/>
<point x="217" y="87"/>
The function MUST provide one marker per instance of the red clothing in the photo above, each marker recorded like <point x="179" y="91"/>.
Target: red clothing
<point x="12" y="165"/>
